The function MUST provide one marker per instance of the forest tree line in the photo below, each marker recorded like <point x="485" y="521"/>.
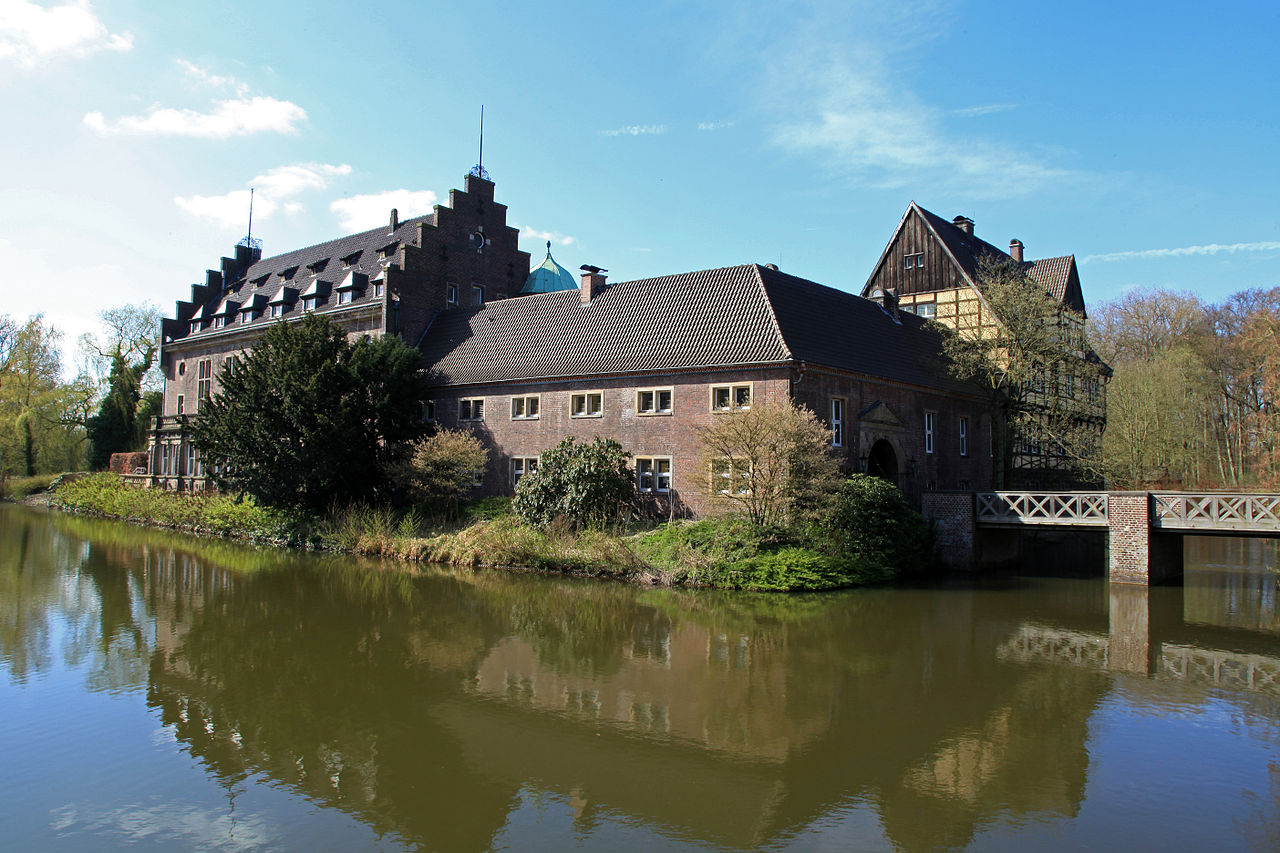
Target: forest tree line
<point x="1190" y="403"/>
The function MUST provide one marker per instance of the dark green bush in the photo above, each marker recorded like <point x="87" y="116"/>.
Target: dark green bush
<point x="585" y="484"/>
<point x="486" y="509"/>
<point x="871" y="523"/>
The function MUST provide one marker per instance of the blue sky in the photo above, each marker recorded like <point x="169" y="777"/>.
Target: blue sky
<point x="648" y="138"/>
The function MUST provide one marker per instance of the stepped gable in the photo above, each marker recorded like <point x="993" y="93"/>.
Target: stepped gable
<point x="731" y="317"/>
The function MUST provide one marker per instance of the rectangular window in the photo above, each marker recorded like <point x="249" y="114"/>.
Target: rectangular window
<point x="731" y="398"/>
<point x="180" y="402"/>
<point x="345" y="297"/>
<point x="928" y="432"/>
<point x="309" y="303"/>
<point x="451" y="294"/>
<point x="587" y="405"/>
<point x="522" y="465"/>
<point x="471" y="409"/>
<point x="653" y="401"/>
<point x="928" y="310"/>
<point x="429" y="411"/>
<point x="379" y="288"/>
<point x="913" y="260"/>
<point x="477" y="294"/>
<point x="653" y="474"/>
<point x="204" y="380"/>
<point x="964" y="436"/>
<point x="524" y="408"/>
<point x="219" y="322"/>
<point x="837" y="422"/>
<point x="277" y="310"/>
<point x="731" y="477"/>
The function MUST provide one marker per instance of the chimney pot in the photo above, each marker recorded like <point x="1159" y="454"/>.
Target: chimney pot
<point x="964" y="223"/>
<point x="1015" y="249"/>
<point x="395" y="219"/>
<point x="592" y="282"/>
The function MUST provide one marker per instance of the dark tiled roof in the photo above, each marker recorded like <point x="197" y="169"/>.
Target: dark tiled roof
<point x="1057" y="275"/>
<point x="825" y="326"/>
<point x="735" y="316"/>
<point x="302" y="268"/>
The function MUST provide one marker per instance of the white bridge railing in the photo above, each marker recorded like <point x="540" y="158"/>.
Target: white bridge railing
<point x="1216" y="512"/>
<point x="1056" y="508"/>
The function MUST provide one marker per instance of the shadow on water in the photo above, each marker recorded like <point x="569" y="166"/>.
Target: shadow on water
<point x="427" y="703"/>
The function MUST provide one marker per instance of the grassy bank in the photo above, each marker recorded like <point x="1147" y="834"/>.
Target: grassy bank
<point x="726" y="554"/>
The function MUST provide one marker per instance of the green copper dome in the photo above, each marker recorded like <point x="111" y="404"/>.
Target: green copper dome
<point x="548" y="277"/>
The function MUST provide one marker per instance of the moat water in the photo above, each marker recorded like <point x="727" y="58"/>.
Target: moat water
<point x="159" y="692"/>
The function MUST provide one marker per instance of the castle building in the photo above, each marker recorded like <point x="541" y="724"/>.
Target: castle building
<point x="524" y="357"/>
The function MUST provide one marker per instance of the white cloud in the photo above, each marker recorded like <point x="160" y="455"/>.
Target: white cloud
<point x="361" y="212"/>
<point x="1209" y="249"/>
<point x="530" y="233"/>
<point x="273" y="191"/>
<point x="714" y="125"/>
<point x="636" y="130"/>
<point x="31" y="34"/>
<point x="236" y="117"/>
<point x="839" y="93"/>
<point x="983" y="110"/>
<point x="208" y="78"/>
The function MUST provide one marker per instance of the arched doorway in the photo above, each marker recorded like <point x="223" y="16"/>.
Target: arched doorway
<point x="883" y="462"/>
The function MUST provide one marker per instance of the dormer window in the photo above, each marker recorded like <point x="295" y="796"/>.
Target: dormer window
<point x="195" y="326"/>
<point x="319" y="265"/>
<point x="310" y="303"/>
<point x="220" y="321"/>
<point x="277" y="310"/>
<point x="289" y="273"/>
<point x="352" y="259"/>
<point x="379" y="288"/>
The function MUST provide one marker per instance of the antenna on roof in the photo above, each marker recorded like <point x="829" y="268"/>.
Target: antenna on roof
<point x="248" y="241"/>
<point x="478" y="169"/>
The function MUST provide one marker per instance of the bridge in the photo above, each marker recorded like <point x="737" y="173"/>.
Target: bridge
<point x="1144" y="529"/>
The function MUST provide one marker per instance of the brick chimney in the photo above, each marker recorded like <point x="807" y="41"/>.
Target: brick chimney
<point x="964" y="223"/>
<point x="395" y="219"/>
<point x="1015" y="249"/>
<point x="592" y="282"/>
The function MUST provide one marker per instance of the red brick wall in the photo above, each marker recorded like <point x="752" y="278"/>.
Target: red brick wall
<point x="673" y="435"/>
<point x="954" y="525"/>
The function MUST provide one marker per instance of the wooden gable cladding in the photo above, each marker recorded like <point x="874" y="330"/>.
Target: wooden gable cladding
<point x="932" y="268"/>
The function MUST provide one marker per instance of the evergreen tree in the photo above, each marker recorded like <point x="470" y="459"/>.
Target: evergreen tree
<point x="307" y="418"/>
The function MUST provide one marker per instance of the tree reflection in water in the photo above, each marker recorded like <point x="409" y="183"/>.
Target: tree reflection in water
<point x="430" y="704"/>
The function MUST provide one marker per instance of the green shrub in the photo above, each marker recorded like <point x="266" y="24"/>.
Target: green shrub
<point x="586" y="484"/>
<point x="20" y="487"/>
<point x="441" y="468"/>
<point x="871" y="523"/>
<point x="485" y="509"/>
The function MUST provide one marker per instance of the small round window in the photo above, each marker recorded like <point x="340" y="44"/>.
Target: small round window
<point x="182" y="368"/>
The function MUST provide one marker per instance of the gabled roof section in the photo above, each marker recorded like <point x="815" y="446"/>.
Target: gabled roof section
<point x="732" y="317"/>
<point x="711" y="318"/>
<point x="1059" y="276"/>
<point x="834" y="328"/>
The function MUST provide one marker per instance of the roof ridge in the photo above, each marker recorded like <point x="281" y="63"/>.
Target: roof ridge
<point x="773" y="314"/>
<point x="413" y="220"/>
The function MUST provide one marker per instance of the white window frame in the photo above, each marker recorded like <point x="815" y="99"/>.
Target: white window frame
<point x="838" y="407"/>
<point x="526" y="407"/>
<point x="964" y="435"/>
<point x="204" y="381"/>
<point x="655" y="401"/>
<point x="650" y="469"/>
<point x="181" y="400"/>
<point x="928" y="310"/>
<point x="580" y="404"/>
<point x="451" y="294"/>
<point x="930" y="421"/>
<point x="733" y="397"/>
<point x="310" y="303"/>
<point x="733" y="474"/>
<point x="277" y="310"/>
<point x="471" y="409"/>
<point x="522" y="465"/>
<point x="477" y="294"/>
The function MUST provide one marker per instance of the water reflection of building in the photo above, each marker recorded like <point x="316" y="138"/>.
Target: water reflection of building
<point x="430" y="707"/>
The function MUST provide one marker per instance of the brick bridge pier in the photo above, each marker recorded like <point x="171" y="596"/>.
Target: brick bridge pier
<point x="1144" y="530"/>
